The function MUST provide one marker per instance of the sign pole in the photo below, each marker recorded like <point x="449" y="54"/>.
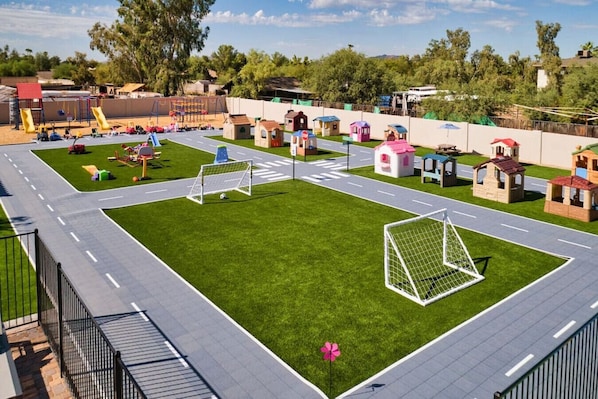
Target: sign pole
<point x="347" y="141"/>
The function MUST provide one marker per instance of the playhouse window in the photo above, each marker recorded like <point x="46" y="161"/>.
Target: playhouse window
<point x="384" y="158"/>
<point x="264" y="134"/>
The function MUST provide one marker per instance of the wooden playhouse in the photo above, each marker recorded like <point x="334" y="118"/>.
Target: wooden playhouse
<point x="327" y="125"/>
<point x="268" y="133"/>
<point x="236" y="127"/>
<point x="584" y="162"/>
<point x="394" y="158"/>
<point x="502" y="182"/>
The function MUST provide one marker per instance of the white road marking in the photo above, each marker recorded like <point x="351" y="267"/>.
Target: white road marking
<point x="33" y="187"/>
<point x="138" y="310"/>
<point x="574" y="243"/>
<point x="75" y="237"/>
<point x="61" y="221"/>
<point x="50" y="208"/>
<point x="156" y="191"/>
<point x="514" y="228"/>
<point x="385" y="193"/>
<point x="26" y="179"/>
<point x="519" y="365"/>
<point x="41" y="197"/>
<point x="110" y="198"/>
<point x="594" y="305"/>
<point x="91" y="256"/>
<point x="354" y="184"/>
<point x="562" y="330"/>
<point x="465" y="214"/>
<point x="112" y="280"/>
<point x="421" y="202"/>
<point x="176" y="354"/>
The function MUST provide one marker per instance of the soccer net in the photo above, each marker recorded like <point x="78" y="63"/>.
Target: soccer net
<point x="220" y="178"/>
<point x="425" y="258"/>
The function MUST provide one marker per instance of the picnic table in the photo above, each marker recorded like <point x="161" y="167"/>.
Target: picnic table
<point x="447" y="149"/>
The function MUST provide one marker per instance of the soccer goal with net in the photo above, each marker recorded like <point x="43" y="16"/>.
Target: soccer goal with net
<point x="222" y="177"/>
<point x="425" y="259"/>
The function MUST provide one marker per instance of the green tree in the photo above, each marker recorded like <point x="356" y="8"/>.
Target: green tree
<point x="347" y="76"/>
<point x="227" y="62"/>
<point x="153" y="40"/>
<point x="579" y="87"/>
<point x="252" y="78"/>
<point x="549" y="53"/>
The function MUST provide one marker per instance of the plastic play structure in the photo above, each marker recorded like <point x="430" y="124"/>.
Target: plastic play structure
<point x="503" y="180"/>
<point x="327" y="125"/>
<point x="236" y="127"/>
<point x="304" y="142"/>
<point x="77" y="148"/>
<point x="27" y="120"/>
<point x="295" y="120"/>
<point x="97" y="174"/>
<point x="360" y="131"/>
<point x="440" y="169"/>
<point x="100" y="118"/>
<point x="268" y="134"/>
<point x="505" y="147"/>
<point x="221" y="154"/>
<point x="394" y="158"/>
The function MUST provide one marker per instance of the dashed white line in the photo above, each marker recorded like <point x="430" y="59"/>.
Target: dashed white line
<point x="258" y="157"/>
<point x="354" y="184"/>
<point x="33" y="187"/>
<point x="26" y="179"/>
<point x="385" y="193"/>
<point x="41" y="197"/>
<point x="91" y="256"/>
<point x="574" y="243"/>
<point x="594" y="305"/>
<point x="241" y="153"/>
<point x="539" y="185"/>
<point x="562" y="330"/>
<point x="422" y="202"/>
<point x="61" y="221"/>
<point x="465" y="214"/>
<point x="365" y="159"/>
<point x="466" y="172"/>
<point x="15" y="165"/>
<point x="514" y="228"/>
<point x="339" y="174"/>
<point x="176" y="354"/>
<point x="75" y="237"/>
<point x="20" y="172"/>
<point x="50" y="208"/>
<point x="364" y="152"/>
<point x="142" y="314"/>
<point x="519" y="365"/>
<point x="112" y="280"/>
<point x="156" y="191"/>
<point x="110" y="198"/>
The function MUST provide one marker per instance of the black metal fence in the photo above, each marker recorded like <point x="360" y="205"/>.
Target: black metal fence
<point x="570" y="371"/>
<point x="18" y="295"/>
<point x="88" y="362"/>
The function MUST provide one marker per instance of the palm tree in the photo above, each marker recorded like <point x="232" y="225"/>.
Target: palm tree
<point x="589" y="46"/>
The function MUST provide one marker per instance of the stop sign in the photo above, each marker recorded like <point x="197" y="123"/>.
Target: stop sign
<point x="305" y="135"/>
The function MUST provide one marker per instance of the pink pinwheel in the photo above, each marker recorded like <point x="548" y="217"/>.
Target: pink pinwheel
<point x="330" y="351"/>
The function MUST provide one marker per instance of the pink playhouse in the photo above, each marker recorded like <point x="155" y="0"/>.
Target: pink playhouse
<point x="360" y="131"/>
<point x="394" y="158"/>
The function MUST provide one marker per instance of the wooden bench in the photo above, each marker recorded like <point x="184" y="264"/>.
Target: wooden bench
<point x="447" y="149"/>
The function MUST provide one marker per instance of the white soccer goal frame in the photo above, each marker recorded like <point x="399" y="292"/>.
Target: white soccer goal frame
<point x="221" y="178"/>
<point x="417" y="276"/>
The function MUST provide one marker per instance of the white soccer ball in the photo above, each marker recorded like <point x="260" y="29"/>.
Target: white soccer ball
<point x="223" y="196"/>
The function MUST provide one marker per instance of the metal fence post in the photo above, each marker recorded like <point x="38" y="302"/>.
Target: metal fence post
<point x="60" y="321"/>
<point x="38" y="287"/>
<point x="118" y="376"/>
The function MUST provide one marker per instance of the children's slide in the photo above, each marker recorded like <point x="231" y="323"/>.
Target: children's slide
<point x="154" y="139"/>
<point x="27" y="119"/>
<point x="100" y="118"/>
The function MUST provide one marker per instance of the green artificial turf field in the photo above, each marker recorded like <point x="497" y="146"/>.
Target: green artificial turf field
<point x="298" y="265"/>
<point x="176" y="161"/>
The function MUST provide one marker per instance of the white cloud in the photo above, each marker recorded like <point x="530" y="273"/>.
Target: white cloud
<point x="503" y="23"/>
<point x="574" y="2"/>
<point x="284" y="20"/>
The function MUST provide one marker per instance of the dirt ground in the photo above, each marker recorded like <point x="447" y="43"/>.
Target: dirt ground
<point x="9" y="135"/>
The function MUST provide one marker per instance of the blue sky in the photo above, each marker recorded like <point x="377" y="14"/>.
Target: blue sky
<point x="315" y="28"/>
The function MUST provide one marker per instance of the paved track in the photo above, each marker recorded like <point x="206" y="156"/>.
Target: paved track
<point x="115" y="275"/>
